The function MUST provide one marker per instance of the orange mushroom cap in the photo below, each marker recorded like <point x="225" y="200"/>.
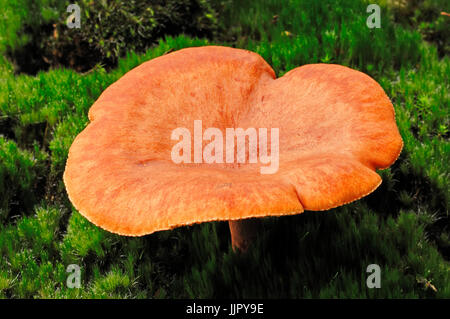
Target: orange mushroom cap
<point x="336" y="127"/>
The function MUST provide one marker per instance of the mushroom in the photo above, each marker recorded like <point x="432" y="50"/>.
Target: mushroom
<point x="336" y="127"/>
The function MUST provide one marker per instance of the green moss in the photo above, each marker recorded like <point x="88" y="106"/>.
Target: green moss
<point x="38" y="36"/>
<point x="21" y="173"/>
<point x="83" y="238"/>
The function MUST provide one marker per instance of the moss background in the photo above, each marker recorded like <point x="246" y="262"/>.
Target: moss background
<point x="50" y="76"/>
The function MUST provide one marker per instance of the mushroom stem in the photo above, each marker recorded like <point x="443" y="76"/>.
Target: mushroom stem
<point x="243" y="233"/>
